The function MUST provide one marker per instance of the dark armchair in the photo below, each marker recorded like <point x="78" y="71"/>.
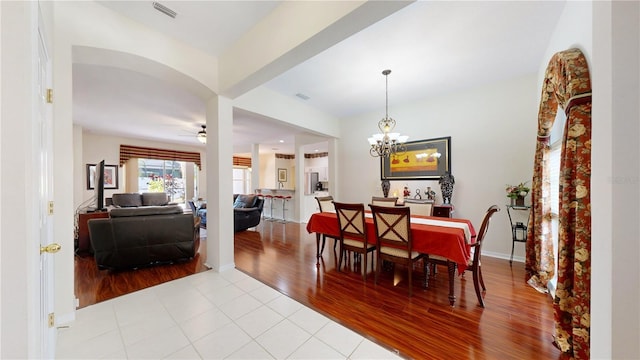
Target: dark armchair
<point x="247" y="211"/>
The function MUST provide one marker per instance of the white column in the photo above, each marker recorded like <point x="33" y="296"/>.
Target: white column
<point x="219" y="169"/>
<point x="298" y="203"/>
<point x="332" y="167"/>
<point x="255" y="166"/>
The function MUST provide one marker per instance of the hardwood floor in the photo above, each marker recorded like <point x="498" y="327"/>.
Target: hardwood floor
<point x="93" y="286"/>
<point x="517" y="322"/>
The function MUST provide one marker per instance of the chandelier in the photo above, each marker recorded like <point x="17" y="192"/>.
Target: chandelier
<point x="387" y="143"/>
<point x="202" y="134"/>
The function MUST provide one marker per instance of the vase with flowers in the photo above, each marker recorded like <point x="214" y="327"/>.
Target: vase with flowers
<point x="517" y="193"/>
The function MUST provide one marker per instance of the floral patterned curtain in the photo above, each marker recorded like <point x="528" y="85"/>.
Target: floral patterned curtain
<point x="568" y="85"/>
<point x="539" y="259"/>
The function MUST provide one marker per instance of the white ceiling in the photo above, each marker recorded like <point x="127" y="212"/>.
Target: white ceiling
<point x="432" y="48"/>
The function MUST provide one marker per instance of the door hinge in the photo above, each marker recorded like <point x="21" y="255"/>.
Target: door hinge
<point x="50" y="96"/>
<point x="50" y="207"/>
<point x="52" y="320"/>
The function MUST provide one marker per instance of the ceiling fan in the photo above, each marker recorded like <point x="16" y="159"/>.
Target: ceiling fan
<point x="202" y="134"/>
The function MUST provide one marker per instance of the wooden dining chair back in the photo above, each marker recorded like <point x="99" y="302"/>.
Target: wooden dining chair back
<point x="393" y="238"/>
<point x="384" y="201"/>
<point x="325" y="204"/>
<point x="475" y="264"/>
<point x="353" y="233"/>
<point x="419" y="207"/>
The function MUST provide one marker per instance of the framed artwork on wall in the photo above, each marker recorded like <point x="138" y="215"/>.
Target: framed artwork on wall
<point x="110" y="176"/>
<point x="423" y="160"/>
<point x="282" y="175"/>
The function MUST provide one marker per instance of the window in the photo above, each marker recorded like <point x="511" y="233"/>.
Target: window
<point x="554" y="183"/>
<point x="162" y="176"/>
<point x="242" y="180"/>
<point x="554" y="176"/>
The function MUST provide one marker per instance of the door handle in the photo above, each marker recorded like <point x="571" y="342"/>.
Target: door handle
<point x="51" y="248"/>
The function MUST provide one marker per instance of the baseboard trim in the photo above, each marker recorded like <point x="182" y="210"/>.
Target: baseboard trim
<point x="64" y="319"/>
<point x="222" y="268"/>
<point x="519" y="259"/>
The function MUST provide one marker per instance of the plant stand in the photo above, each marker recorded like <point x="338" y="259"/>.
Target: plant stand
<point x="518" y="228"/>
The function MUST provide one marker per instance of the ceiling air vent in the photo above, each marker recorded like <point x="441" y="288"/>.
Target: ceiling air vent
<point x="165" y="10"/>
<point x="302" y="96"/>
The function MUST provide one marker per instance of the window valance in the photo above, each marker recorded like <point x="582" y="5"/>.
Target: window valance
<point x="128" y="152"/>
<point x="241" y="161"/>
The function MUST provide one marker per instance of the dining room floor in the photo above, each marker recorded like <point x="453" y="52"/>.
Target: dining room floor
<point x="210" y="315"/>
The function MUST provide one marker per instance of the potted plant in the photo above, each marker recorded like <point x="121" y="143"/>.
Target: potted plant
<point x="517" y="193"/>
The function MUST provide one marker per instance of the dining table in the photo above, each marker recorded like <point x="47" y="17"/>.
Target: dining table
<point x="450" y="238"/>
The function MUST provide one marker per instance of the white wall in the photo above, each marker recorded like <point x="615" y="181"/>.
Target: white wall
<point x="574" y="29"/>
<point x="289" y="165"/>
<point x="492" y="131"/>
<point x="18" y="235"/>
<point x="267" y="171"/>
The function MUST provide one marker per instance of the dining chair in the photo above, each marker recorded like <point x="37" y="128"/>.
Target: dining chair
<point x="419" y="207"/>
<point x="384" y="201"/>
<point x="353" y="233"/>
<point x="474" y="264"/>
<point x="393" y="238"/>
<point x="325" y="204"/>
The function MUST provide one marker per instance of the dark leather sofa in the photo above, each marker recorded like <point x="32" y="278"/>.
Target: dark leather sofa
<point x="248" y="213"/>
<point x="137" y="237"/>
<point x="136" y="200"/>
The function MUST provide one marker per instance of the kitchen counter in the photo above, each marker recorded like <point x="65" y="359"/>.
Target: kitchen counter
<point x="275" y="190"/>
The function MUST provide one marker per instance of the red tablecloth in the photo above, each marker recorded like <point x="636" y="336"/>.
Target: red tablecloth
<point x="445" y="241"/>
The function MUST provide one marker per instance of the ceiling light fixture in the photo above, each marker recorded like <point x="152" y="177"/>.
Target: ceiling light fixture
<point x="165" y="10"/>
<point x="202" y="134"/>
<point x="387" y="143"/>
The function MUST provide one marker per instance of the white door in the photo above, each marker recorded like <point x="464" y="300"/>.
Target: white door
<point x="43" y="181"/>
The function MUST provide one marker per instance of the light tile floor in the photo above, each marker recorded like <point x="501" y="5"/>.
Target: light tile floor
<point x="210" y="315"/>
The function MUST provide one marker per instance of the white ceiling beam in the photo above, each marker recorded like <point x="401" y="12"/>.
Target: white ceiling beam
<point x="291" y="34"/>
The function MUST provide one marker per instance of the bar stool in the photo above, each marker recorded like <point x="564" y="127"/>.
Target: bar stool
<point x="270" y="198"/>
<point x="278" y="197"/>
<point x="285" y="198"/>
